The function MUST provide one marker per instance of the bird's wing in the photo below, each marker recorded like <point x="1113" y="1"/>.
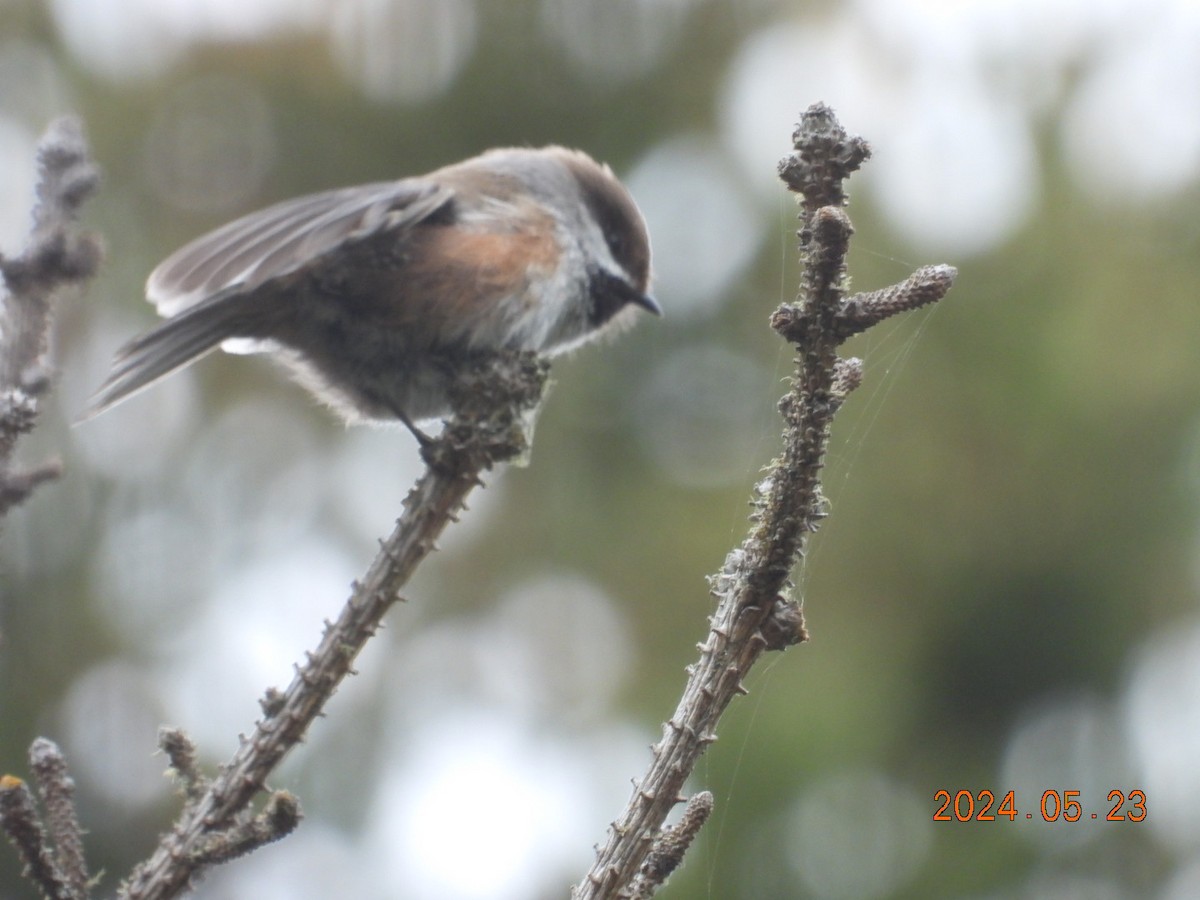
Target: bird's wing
<point x="280" y="239"/>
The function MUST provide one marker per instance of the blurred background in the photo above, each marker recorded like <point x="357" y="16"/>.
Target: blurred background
<point x="1005" y="597"/>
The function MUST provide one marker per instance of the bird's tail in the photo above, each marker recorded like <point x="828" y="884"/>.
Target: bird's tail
<point x="182" y="339"/>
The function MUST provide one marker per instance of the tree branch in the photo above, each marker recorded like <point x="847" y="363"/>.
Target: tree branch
<point x="755" y="611"/>
<point x="59" y="256"/>
<point x="491" y="401"/>
<point x="57" y="791"/>
<point x="53" y="855"/>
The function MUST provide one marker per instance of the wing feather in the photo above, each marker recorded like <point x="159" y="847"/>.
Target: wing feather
<point x="280" y="239"/>
<point x="204" y="287"/>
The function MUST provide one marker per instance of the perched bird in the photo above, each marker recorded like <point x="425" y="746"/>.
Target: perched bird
<point x="374" y="295"/>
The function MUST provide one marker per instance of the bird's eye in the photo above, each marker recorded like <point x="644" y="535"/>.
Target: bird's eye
<point x="616" y="246"/>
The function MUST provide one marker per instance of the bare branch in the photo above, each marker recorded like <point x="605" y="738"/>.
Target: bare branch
<point x="754" y="610"/>
<point x="927" y="285"/>
<point x="491" y="401"/>
<point x="277" y="820"/>
<point x="53" y="862"/>
<point x="19" y="817"/>
<point x="57" y="791"/>
<point x="59" y="256"/>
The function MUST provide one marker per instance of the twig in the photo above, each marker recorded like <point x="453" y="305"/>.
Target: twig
<point x="59" y="256"/>
<point x="25" y="832"/>
<point x="181" y="752"/>
<point x="278" y="819"/>
<point x="491" y="402"/>
<point x="53" y="861"/>
<point x="670" y="846"/>
<point x="57" y="791"/>
<point x="754" y="610"/>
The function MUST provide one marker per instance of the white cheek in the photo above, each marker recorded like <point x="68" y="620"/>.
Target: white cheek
<point x="563" y="320"/>
<point x="553" y="311"/>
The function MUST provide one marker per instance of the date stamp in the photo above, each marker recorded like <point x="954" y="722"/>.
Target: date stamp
<point x="1055" y="806"/>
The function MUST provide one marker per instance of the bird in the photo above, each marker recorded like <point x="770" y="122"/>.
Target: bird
<point x="373" y="296"/>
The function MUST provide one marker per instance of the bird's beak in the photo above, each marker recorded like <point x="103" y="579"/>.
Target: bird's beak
<point x="648" y="303"/>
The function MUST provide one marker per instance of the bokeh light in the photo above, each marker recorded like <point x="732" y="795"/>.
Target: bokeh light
<point x="407" y="50"/>
<point x="1163" y="723"/>
<point x="210" y="146"/>
<point x="697" y="417"/>
<point x="614" y="40"/>
<point x="856" y="835"/>
<point x="704" y="231"/>
<point x="514" y="800"/>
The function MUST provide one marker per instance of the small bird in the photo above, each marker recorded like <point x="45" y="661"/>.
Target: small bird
<point x="374" y="295"/>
